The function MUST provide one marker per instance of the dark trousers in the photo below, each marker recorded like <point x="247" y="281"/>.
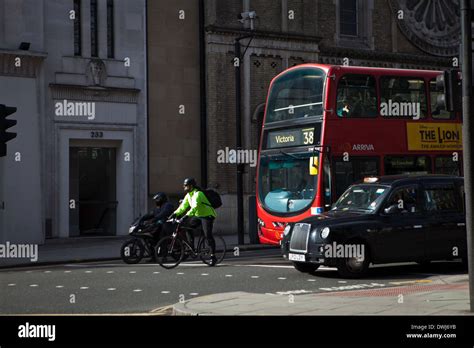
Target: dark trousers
<point x="207" y="224"/>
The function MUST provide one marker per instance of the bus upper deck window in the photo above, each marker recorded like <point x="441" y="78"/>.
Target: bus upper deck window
<point x="356" y="96"/>
<point x="402" y="96"/>
<point x="437" y="112"/>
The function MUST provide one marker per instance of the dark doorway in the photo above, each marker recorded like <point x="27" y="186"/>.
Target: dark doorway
<point x="92" y="185"/>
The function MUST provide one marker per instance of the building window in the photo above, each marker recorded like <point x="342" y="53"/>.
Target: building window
<point x="110" y="29"/>
<point x="94" y="30"/>
<point x="354" y="24"/>
<point x="77" y="28"/>
<point x="348" y="17"/>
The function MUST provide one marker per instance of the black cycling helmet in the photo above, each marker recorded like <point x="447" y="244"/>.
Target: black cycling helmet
<point x="190" y="182"/>
<point x="160" y="198"/>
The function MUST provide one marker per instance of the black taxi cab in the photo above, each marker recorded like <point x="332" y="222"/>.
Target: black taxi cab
<point x="379" y="220"/>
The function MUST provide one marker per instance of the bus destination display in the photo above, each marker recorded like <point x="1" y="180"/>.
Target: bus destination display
<point x="291" y="137"/>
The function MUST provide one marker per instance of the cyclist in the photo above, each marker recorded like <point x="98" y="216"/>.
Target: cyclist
<point x="200" y="213"/>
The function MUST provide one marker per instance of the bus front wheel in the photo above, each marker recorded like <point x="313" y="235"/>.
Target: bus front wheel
<point x="305" y="267"/>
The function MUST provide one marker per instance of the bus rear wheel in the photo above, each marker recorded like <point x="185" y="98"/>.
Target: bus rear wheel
<point x="305" y="267"/>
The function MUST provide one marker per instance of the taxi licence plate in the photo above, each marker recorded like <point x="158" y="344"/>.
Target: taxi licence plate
<point x="296" y="257"/>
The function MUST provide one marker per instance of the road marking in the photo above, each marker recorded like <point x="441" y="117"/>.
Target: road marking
<point x="412" y="282"/>
<point x="180" y="273"/>
<point x="67" y="271"/>
<point x="353" y="287"/>
<point x="59" y="286"/>
<point x="282" y="278"/>
<point x="88" y="272"/>
<point x="165" y="292"/>
<point x="132" y="272"/>
<point x="110" y="271"/>
<point x="204" y="274"/>
<point x="294" y="292"/>
<point x="228" y="275"/>
<point x="156" y="272"/>
<point x="137" y="290"/>
<point x="254" y="277"/>
<point x="342" y="281"/>
<point x="264" y="266"/>
<point x="84" y="287"/>
<point x="311" y="280"/>
<point x="47" y="271"/>
<point x="34" y="285"/>
<point x="111" y="289"/>
<point x="29" y="271"/>
<point x="11" y="284"/>
<point x="193" y="294"/>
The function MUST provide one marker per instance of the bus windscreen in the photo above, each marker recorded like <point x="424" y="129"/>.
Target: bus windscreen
<point x="296" y="94"/>
<point x="286" y="184"/>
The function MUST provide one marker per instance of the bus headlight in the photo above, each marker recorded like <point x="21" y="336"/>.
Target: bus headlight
<point x="325" y="232"/>
<point x="286" y="230"/>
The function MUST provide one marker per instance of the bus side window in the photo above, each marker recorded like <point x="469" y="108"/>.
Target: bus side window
<point x="446" y="165"/>
<point x="356" y="96"/>
<point x="436" y="112"/>
<point x="402" y="97"/>
<point x="346" y="173"/>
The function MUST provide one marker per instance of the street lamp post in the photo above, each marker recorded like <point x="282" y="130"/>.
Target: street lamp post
<point x="238" y="135"/>
<point x="468" y="142"/>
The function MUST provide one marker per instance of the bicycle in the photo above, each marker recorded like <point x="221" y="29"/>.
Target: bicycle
<point x="171" y="250"/>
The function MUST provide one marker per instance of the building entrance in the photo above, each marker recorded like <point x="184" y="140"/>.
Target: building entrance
<point x="92" y="188"/>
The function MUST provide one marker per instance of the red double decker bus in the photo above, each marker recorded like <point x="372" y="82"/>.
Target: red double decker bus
<point x="327" y="126"/>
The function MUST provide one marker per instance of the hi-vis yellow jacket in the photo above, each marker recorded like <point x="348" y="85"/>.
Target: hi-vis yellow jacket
<point x="198" y="205"/>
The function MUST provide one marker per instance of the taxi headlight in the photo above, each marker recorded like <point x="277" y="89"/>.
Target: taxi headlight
<point x="325" y="232"/>
<point x="287" y="230"/>
<point x="130" y="230"/>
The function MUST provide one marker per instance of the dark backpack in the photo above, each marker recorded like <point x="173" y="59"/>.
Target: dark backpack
<point x="213" y="197"/>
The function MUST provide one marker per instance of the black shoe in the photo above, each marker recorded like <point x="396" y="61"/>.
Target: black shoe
<point x="213" y="261"/>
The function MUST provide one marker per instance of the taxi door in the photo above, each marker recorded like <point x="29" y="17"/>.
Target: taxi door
<point x="402" y="227"/>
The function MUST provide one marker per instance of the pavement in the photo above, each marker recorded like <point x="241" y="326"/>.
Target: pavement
<point x="437" y="295"/>
<point x="87" y="249"/>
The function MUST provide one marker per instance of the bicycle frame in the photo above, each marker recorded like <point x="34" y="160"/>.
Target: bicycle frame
<point x="182" y="229"/>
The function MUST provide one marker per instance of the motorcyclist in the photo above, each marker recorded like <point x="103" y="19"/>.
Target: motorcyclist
<point x="199" y="213"/>
<point x="158" y="216"/>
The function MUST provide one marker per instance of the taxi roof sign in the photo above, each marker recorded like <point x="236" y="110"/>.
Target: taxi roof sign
<point x="371" y="180"/>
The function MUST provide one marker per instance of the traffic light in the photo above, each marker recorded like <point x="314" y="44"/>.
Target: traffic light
<point x="449" y="82"/>
<point x="5" y="136"/>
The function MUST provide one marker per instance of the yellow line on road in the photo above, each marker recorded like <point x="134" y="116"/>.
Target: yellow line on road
<point x="412" y="282"/>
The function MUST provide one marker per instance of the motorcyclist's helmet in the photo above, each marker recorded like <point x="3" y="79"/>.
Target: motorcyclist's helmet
<point x="160" y="198"/>
<point x="189" y="182"/>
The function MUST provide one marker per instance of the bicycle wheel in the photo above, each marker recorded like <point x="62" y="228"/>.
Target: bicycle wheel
<point x="169" y="252"/>
<point x="204" y="250"/>
<point x="132" y="251"/>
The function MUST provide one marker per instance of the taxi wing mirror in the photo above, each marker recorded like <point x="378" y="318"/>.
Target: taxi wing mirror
<point x="393" y="209"/>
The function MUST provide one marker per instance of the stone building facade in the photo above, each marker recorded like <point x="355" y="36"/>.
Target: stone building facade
<point x="78" y="164"/>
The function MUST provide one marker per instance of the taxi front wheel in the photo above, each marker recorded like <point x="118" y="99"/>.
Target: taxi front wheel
<point x="354" y="267"/>
<point x="305" y="267"/>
